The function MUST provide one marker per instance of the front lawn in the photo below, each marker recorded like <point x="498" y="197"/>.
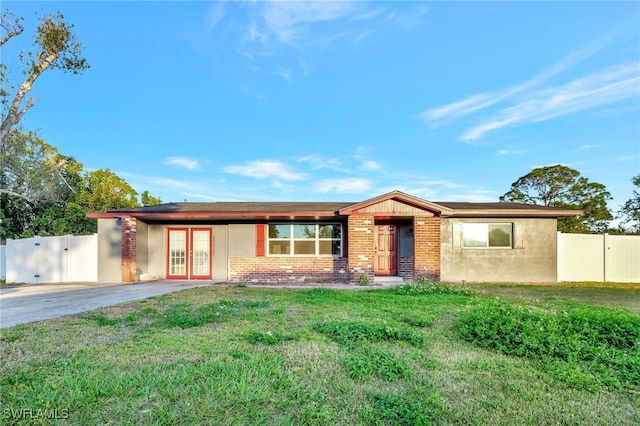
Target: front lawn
<point x="423" y="354"/>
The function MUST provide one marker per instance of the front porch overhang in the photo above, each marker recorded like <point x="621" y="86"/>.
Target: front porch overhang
<point x="396" y="204"/>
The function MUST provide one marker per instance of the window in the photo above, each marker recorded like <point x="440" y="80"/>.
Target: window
<point x="305" y="239"/>
<point x="487" y="235"/>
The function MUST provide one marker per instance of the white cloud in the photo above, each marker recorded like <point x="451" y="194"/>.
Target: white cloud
<point x="343" y="186"/>
<point x="408" y="20"/>
<point x="461" y="108"/>
<point x="481" y="101"/>
<point x="283" y="72"/>
<point x="187" y="163"/>
<point x="474" y="196"/>
<point x="370" y="165"/>
<point x="215" y="14"/>
<point x="287" y="19"/>
<point x="361" y="154"/>
<point x="511" y="151"/>
<point x="609" y="86"/>
<point x="633" y="157"/>
<point x="169" y="183"/>
<point x="279" y="37"/>
<point x="318" y="162"/>
<point x="157" y="182"/>
<point x="250" y="92"/>
<point x="263" y="169"/>
<point x="527" y="104"/>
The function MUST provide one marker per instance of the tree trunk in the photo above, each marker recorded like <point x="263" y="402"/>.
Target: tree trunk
<point x="15" y="113"/>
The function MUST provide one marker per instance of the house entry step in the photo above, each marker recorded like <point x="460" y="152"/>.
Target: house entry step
<point x="386" y="280"/>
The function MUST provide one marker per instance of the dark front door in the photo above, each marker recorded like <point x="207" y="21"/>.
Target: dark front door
<point x="386" y="250"/>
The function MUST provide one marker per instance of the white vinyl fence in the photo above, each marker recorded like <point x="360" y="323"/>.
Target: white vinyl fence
<point x="3" y="262"/>
<point x="581" y="257"/>
<point x="65" y="258"/>
<point x="602" y="257"/>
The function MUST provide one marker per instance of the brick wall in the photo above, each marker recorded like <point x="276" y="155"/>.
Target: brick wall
<point x="427" y="247"/>
<point x="361" y="234"/>
<point x="128" y="250"/>
<point x="294" y="270"/>
<point x="405" y="268"/>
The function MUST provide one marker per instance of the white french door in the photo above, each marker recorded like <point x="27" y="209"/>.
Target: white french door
<point x="189" y="253"/>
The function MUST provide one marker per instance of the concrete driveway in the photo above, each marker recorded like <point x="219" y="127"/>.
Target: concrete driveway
<point x="23" y="304"/>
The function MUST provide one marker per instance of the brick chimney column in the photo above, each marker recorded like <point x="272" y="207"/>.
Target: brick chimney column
<point x="128" y="250"/>
<point x="426" y="245"/>
<point x="361" y="247"/>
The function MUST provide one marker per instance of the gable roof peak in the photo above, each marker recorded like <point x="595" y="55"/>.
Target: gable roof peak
<point x="402" y="198"/>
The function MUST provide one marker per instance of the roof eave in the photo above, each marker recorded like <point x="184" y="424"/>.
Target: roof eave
<point x="516" y="213"/>
<point x="210" y="215"/>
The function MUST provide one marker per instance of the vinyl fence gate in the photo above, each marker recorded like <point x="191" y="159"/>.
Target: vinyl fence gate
<point x="65" y="258"/>
<point x="601" y="258"/>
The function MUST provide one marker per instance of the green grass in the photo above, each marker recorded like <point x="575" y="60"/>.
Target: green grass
<point x="415" y="355"/>
<point x="586" y="347"/>
<point x="615" y="295"/>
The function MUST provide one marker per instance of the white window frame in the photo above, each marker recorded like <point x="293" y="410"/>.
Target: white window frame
<point x="487" y="226"/>
<point x="292" y="239"/>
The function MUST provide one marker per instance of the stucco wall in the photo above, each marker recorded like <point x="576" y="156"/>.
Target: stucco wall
<point x="142" y="249"/>
<point x="109" y="240"/>
<point x="220" y="270"/>
<point x="242" y="240"/>
<point x="157" y="249"/>
<point x="533" y="258"/>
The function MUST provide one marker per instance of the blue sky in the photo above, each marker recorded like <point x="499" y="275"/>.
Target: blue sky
<point x="313" y="101"/>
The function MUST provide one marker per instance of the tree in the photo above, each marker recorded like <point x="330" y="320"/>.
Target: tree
<point x="43" y="192"/>
<point x="57" y="48"/>
<point x="149" y="200"/>
<point x="630" y="211"/>
<point x="17" y="217"/>
<point x="561" y="186"/>
<point x="104" y="190"/>
<point x="35" y="171"/>
<point x="36" y="185"/>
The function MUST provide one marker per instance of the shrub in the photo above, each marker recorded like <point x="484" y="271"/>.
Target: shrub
<point x="416" y="321"/>
<point x="578" y="345"/>
<point x="431" y="287"/>
<point x="399" y="410"/>
<point x="374" y="361"/>
<point x="363" y="280"/>
<point x="267" y="338"/>
<point x="356" y="331"/>
<point x="183" y="315"/>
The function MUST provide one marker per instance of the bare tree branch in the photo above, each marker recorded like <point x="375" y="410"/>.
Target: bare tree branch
<point x="12" y="25"/>
<point x="15" y="113"/>
<point x="59" y="166"/>
<point x="15" y="194"/>
<point x="57" y="50"/>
